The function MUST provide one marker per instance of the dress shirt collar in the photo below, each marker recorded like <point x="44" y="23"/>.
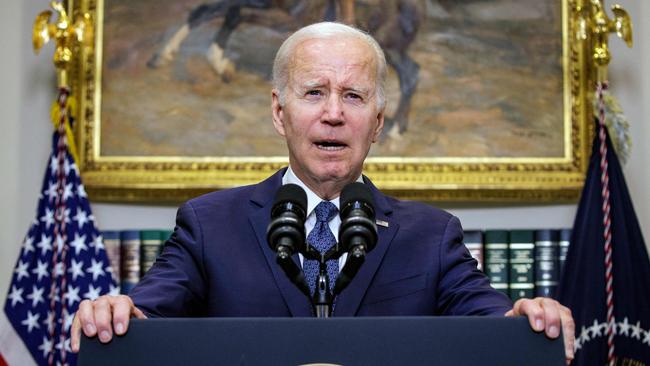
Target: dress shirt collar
<point x="312" y="198"/>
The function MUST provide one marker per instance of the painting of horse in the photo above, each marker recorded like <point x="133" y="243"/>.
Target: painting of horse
<point x="467" y="78"/>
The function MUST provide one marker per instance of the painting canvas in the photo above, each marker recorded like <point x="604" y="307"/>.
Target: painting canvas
<point x="489" y="84"/>
<point x="488" y="100"/>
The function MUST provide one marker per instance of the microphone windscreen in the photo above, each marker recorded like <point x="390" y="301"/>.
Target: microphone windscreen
<point x="356" y="191"/>
<point x="292" y="193"/>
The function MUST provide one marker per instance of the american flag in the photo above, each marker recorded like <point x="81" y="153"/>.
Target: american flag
<point x="62" y="262"/>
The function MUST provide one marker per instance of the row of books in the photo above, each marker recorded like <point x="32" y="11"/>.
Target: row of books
<point x="132" y="253"/>
<point x="519" y="263"/>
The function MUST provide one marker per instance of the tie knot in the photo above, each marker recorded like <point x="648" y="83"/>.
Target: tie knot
<point x="325" y="211"/>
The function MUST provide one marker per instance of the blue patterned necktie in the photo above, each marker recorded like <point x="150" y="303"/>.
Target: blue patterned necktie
<point x="321" y="238"/>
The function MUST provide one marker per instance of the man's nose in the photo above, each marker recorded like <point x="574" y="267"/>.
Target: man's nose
<point x="333" y="110"/>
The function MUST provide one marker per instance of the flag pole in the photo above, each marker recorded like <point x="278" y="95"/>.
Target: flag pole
<point x="607" y="233"/>
<point x="594" y="27"/>
<point x="70" y="33"/>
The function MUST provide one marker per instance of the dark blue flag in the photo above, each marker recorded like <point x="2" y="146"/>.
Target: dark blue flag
<point x="62" y="262"/>
<point x="583" y="284"/>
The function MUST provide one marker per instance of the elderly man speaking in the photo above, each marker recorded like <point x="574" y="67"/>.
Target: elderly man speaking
<point x="328" y="103"/>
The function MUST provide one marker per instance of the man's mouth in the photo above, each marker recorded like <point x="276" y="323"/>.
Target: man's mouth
<point x="330" y="145"/>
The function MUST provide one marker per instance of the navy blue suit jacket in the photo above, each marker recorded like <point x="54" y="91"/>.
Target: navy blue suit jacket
<point x="218" y="263"/>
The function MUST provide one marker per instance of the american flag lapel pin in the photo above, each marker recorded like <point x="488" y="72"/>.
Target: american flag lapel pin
<point x="382" y="223"/>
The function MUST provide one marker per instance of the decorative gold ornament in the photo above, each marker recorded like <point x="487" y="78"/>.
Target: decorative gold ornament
<point x="593" y="23"/>
<point x="68" y="37"/>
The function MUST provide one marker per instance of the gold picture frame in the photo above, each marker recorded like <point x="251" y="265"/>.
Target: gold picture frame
<point x="175" y="178"/>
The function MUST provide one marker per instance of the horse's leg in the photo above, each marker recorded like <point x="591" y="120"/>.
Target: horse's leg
<point x="407" y="72"/>
<point x="198" y="16"/>
<point x="347" y="12"/>
<point x="330" y="11"/>
<point x="216" y="53"/>
<point x="166" y="54"/>
<point x="399" y="34"/>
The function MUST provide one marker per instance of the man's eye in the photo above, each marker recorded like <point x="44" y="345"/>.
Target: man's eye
<point x="353" y="96"/>
<point x="314" y="93"/>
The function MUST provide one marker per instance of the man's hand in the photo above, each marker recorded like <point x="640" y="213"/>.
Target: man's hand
<point x="102" y="316"/>
<point x="548" y="315"/>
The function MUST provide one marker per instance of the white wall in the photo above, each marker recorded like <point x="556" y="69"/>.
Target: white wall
<point x="28" y="89"/>
<point x="25" y="97"/>
<point x="630" y="82"/>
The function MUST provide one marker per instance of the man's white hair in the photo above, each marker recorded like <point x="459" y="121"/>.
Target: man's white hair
<point x="325" y="30"/>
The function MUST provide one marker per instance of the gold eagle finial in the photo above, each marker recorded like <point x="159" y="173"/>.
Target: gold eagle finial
<point x="592" y="20"/>
<point x="67" y="36"/>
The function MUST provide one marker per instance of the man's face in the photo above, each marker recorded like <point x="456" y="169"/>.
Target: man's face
<point x="330" y="116"/>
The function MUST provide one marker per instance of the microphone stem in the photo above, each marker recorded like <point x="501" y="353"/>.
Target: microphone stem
<point x="356" y="257"/>
<point x="323" y="298"/>
<point x="291" y="269"/>
<point x="322" y="311"/>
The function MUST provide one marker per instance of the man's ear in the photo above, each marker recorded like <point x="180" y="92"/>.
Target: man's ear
<point x="278" y="112"/>
<point x="380" y="126"/>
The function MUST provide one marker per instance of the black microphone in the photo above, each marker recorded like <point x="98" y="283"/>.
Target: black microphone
<point x="286" y="231"/>
<point x="358" y="230"/>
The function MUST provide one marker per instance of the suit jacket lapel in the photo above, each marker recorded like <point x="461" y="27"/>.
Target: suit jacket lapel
<point x="349" y="301"/>
<point x="259" y="218"/>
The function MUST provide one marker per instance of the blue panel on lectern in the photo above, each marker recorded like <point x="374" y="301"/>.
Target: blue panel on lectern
<point x="454" y="341"/>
